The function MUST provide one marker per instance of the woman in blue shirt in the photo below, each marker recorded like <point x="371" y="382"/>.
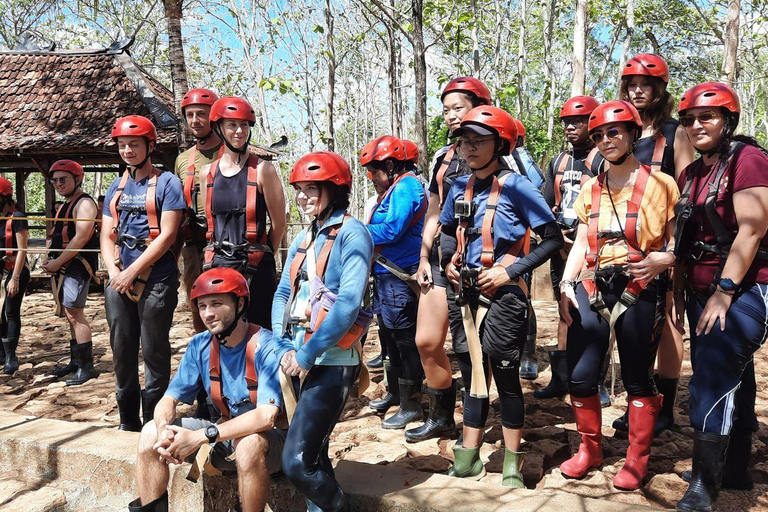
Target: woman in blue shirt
<point x="486" y="221"/>
<point x="395" y="225"/>
<point x="334" y="255"/>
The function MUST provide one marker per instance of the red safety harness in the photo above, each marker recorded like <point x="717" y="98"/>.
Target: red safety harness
<point x="440" y="177"/>
<point x="62" y="227"/>
<point x="251" y="379"/>
<point x="256" y="235"/>
<point x="190" y="190"/>
<point x="10" y="255"/>
<point x="566" y="163"/>
<point x="322" y="257"/>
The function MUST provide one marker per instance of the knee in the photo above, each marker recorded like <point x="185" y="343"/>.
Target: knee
<point x="147" y="440"/>
<point x="580" y="388"/>
<point x="251" y="451"/>
<point x="294" y="466"/>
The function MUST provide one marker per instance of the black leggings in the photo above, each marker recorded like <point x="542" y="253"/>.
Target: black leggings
<point x="637" y="336"/>
<point x="11" y="313"/>
<point x="507" y="377"/>
<point x="305" y="455"/>
<point x="402" y="351"/>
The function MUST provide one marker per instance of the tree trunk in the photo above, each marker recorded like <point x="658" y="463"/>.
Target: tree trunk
<point x="331" y="54"/>
<point x="630" y="18"/>
<point x="731" y="42"/>
<point x="178" y="67"/>
<point x="475" y="42"/>
<point x="549" y="23"/>
<point x="420" y="73"/>
<point x="579" y="48"/>
<point x="394" y="125"/>
<point x="521" y="56"/>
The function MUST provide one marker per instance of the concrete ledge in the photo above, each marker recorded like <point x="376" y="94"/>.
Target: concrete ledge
<point x="94" y="467"/>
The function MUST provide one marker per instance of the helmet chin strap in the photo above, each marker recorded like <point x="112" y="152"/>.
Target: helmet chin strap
<point x="222" y="336"/>
<point x="202" y="140"/>
<point x="489" y="162"/>
<point x="133" y="168"/>
<point x="240" y="152"/>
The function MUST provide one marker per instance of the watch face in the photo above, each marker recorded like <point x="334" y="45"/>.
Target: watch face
<point x="211" y="432"/>
<point x="727" y="285"/>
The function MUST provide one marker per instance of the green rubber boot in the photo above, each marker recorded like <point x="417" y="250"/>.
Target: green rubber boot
<point x="513" y="463"/>
<point x="466" y="463"/>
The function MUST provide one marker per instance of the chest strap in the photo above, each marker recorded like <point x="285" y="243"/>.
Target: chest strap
<point x="251" y="379"/>
<point x="440" y="176"/>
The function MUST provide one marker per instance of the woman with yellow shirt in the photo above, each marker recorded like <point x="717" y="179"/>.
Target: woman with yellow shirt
<point x="608" y="291"/>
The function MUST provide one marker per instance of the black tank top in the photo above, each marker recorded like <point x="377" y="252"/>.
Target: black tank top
<point x="645" y="146"/>
<point x="58" y="243"/>
<point x="229" y="197"/>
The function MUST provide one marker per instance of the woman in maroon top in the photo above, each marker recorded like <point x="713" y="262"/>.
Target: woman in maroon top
<point x="723" y="279"/>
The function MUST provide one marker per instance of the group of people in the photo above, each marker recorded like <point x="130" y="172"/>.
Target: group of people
<point x="639" y="233"/>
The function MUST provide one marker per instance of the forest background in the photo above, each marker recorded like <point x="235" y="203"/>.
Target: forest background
<point x="332" y="74"/>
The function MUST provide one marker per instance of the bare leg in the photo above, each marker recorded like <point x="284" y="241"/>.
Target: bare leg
<point x="252" y="475"/>
<point x="562" y="334"/>
<point x="473" y="437"/>
<point x="78" y="324"/>
<point x="512" y="438"/>
<point x="431" y="330"/>
<point x="152" y="474"/>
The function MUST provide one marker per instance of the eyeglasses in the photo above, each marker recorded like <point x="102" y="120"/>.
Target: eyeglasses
<point x="58" y="180"/>
<point x="474" y="144"/>
<point x="703" y="118"/>
<point x="612" y="134"/>
<point x="576" y="122"/>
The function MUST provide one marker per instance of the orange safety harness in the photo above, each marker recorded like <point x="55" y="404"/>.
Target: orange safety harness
<point x="255" y="232"/>
<point x="10" y="256"/>
<point x="251" y="379"/>
<point x="565" y="163"/>
<point x="124" y="239"/>
<point x="472" y="323"/>
<point x="440" y="177"/>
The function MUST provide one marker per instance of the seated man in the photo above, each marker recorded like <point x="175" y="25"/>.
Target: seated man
<point x="243" y="383"/>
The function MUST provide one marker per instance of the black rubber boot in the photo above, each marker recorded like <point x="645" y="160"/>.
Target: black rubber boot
<point x="129" y="404"/>
<point x="529" y="363"/>
<point x="159" y="505"/>
<point x="666" y="419"/>
<point x="84" y="361"/>
<point x="2" y="355"/>
<point x="708" y="462"/>
<point x="736" y="475"/>
<point x="410" y="406"/>
<point x="69" y="367"/>
<point x="376" y="362"/>
<point x="11" y="361"/>
<point x="442" y="403"/>
<point x="392" y="397"/>
<point x="605" y="397"/>
<point x="558" y="386"/>
<point x="148" y="403"/>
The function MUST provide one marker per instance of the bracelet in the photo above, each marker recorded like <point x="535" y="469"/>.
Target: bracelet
<point x="567" y="283"/>
<point x="730" y="294"/>
<point x="423" y="258"/>
<point x="15" y="277"/>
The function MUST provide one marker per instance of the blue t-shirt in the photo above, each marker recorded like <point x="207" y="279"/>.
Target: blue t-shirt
<point x="391" y="223"/>
<point x="194" y="372"/>
<point x="521" y="206"/>
<point x="133" y="218"/>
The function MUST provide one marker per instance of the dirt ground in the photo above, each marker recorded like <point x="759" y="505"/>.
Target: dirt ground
<point x="550" y="433"/>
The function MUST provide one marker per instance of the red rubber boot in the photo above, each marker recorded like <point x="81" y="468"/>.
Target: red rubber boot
<point x="643" y="412"/>
<point x="589" y="419"/>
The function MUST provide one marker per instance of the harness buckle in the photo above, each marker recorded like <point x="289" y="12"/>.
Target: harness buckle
<point x="131" y="242"/>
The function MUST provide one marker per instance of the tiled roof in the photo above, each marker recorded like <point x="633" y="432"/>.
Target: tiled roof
<point x="66" y="102"/>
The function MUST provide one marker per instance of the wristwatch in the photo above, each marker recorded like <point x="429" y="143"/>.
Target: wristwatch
<point x="727" y="285"/>
<point x="212" y="433"/>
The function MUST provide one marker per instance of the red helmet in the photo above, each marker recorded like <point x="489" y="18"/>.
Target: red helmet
<point x="198" y="97"/>
<point x="710" y="94"/>
<point x="487" y="120"/>
<point x="232" y="107"/>
<point x="615" y="111"/>
<point x="382" y="148"/>
<point x="520" y="128"/>
<point x="411" y="151"/>
<point x="578" y="106"/>
<point x="647" y="64"/>
<point x="134" y="126"/>
<point x="6" y="189"/>
<point x="72" y="167"/>
<point x="219" y="280"/>
<point x="467" y="84"/>
<point x="321" y="166"/>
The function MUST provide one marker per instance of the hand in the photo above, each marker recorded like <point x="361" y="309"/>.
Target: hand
<point x="123" y="281"/>
<point x="13" y="287"/>
<point x="567" y="300"/>
<point x="452" y="273"/>
<point x="290" y="366"/>
<point x="424" y="274"/>
<point x="652" y="265"/>
<point x="164" y="440"/>
<point x="51" y="266"/>
<point x="676" y="310"/>
<point x="185" y="442"/>
<point x="716" y="309"/>
<point x="491" y="279"/>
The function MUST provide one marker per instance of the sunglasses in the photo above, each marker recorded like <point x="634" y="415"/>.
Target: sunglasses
<point x="612" y="134"/>
<point x="474" y="144"/>
<point x="703" y="118"/>
<point x="54" y="181"/>
<point x="576" y="122"/>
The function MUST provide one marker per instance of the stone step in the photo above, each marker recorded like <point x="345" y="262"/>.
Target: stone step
<point x="18" y="494"/>
<point x="92" y="467"/>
